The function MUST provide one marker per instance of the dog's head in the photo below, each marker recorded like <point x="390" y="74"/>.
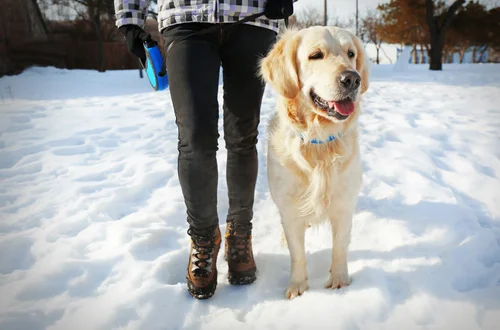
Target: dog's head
<point x="324" y="69"/>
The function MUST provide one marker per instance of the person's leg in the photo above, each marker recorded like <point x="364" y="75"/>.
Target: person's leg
<point x="242" y="48"/>
<point x="193" y="67"/>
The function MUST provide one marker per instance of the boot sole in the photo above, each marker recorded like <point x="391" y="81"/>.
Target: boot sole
<point x="204" y="292"/>
<point x="242" y="278"/>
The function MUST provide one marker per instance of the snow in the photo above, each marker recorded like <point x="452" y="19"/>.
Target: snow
<point x="388" y="53"/>
<point x="402" y="62"/>
<point x="93" y="230"/>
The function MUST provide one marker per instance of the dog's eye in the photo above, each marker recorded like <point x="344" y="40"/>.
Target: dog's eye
<point x="351" y="54"/>
<point x="316" y="56"/>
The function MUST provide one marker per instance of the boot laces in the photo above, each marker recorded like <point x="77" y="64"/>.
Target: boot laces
<point x="239" y="237"/>
<point x="202" y="254"/>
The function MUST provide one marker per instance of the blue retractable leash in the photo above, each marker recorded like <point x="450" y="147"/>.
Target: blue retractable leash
<point x="155" y="67"/>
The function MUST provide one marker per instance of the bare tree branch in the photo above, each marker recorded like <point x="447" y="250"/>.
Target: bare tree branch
<point x="450" y="13"/>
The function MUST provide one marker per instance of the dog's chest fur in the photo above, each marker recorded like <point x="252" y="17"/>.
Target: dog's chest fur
<point x="313" y="177"/>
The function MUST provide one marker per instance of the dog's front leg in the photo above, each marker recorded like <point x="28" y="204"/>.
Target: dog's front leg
<point x="294" y="228"/>
<point x="341" y="234"/>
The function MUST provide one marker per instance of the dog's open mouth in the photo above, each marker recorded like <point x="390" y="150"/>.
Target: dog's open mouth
<point x="338" y="109"/>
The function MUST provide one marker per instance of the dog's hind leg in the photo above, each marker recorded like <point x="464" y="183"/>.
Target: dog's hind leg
<point x="294" y="229"/>
<point x="341" y="234"/>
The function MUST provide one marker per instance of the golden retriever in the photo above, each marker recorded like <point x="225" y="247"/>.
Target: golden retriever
<point x="314" y="167"/>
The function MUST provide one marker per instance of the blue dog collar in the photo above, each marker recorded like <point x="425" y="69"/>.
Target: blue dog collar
<point x="316" y="141"/>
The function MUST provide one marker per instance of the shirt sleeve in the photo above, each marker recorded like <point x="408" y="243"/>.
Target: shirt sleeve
<point x="131" y="12"/>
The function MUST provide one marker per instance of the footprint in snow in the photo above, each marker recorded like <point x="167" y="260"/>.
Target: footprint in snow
<point x="77" y="150"/>
<point x="69" y="142"/>
<point x="154" y="244"/>
<point x="470" y="282"/>
<point x="101" y="176"/>
<point x="128" y="129"/>
<point x="9" y="159"/>
<point x="94" y="131"/>
<point x="19" y="127"/>
<point x="20" y="119"/>
<point x="16" y="254"/>
<point x="31" y="319"/>
<point x="168" y="271"/>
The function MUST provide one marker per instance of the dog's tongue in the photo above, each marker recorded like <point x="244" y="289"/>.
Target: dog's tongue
<point x="343" y="107"/>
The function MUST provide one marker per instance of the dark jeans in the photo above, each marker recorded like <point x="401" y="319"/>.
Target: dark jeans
<point x="193" y="67"/>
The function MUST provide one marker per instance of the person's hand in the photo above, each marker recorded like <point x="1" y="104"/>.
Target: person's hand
<point x="135" y="37"/>
<point x="278" y="9"/>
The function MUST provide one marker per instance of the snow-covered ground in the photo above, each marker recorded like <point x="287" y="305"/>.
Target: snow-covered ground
<point x="93" y="230"/>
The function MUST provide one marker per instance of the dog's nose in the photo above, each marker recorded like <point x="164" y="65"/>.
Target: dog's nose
<point x="350" y="79"/>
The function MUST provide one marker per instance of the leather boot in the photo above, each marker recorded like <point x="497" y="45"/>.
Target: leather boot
<point x="202" y="269"/>
<point x="239" y="254"/>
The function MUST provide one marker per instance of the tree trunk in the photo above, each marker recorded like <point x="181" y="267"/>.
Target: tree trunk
<point x="422" y="54"/>
<point x="451" y="55"/>
<point x="383" y="51"/>
<point x="378" y="52"/>
<point x="427" y="51"/>
<point x="325" y="14"/>
<point x="445" y="55"/>
<point x="481" y="53"/>
<point x="437" y="30"/>
<point x="461" y="52"/>
<point x="100" y="47"/>
<point x="436" y="52"/>
<point x="100" y="52"/>
<point x="414" y="54"/>
<point x="474" y="54"/>
<point x="96" y="20"/>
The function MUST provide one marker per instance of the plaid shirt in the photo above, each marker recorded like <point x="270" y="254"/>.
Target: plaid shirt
<point x="172" y="12"/>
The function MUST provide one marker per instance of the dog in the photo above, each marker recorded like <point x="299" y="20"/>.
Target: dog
<point x="313" y="160"/>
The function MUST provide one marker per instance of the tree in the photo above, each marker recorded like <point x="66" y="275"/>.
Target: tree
<point x="5" y="35"/>
<point x="98" y="15"/>
<point x="469" y="31"/>
<point x="404" y="23"/>
<point x="493" y="26"/>
<point x="437" y="24"/>
<point x="371" y="26"/>
<point x="312" y="17"/>
<point x="94" y="12"/>
<point x="309" y="17"/>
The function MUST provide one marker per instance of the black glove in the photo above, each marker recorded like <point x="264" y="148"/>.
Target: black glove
<point x="136" y="37"/>
<point x="278" y="9"/>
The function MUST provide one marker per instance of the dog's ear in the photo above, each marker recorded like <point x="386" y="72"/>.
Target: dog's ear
<point x="279" y="67"/>
<point x="362" y="64"/>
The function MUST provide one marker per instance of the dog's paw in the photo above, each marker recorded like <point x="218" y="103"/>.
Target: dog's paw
<point x="337" y="281"/>
<point x="296" y="289"/>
